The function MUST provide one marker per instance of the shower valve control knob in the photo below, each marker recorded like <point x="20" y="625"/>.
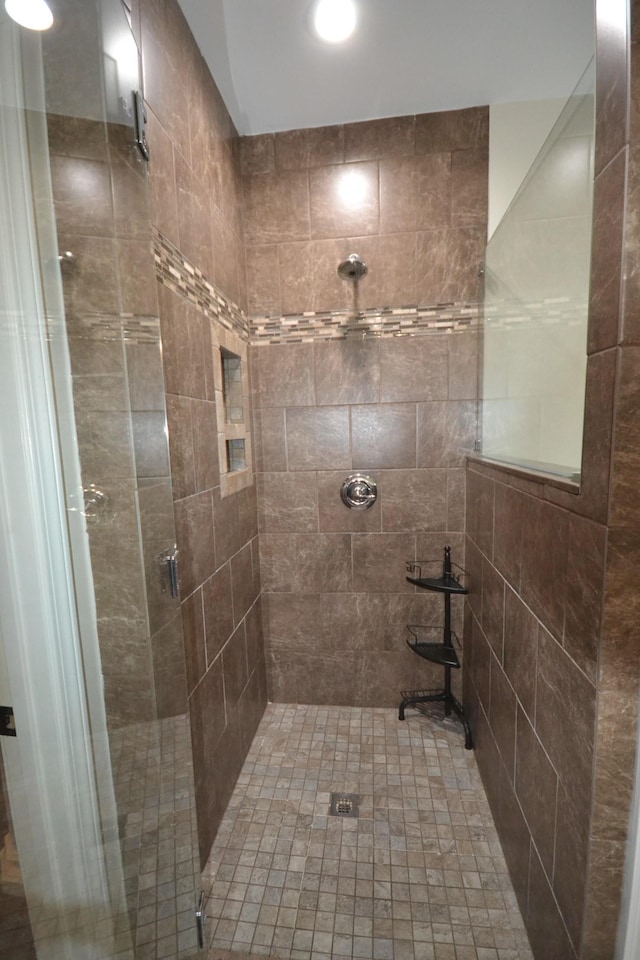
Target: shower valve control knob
<point x="359" y="492"/>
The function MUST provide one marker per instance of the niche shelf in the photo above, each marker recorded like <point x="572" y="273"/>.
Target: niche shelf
<point x="437" y="643"/>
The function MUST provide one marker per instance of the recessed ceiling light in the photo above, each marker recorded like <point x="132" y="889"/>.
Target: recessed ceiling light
<point x="32" y="14"/>
<point x="334" y="20"/>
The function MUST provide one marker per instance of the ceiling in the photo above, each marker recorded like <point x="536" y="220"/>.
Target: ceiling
<point x="406" y="57"/>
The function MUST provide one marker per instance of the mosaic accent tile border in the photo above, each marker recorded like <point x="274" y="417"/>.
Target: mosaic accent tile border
<point x="173" y="270"/>
<point x="113" y="328"/>
<point x="385" y="322"/>
<point x="554" y="311"/>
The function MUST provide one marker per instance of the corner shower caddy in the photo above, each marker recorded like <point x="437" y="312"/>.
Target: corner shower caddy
<point x="437" y="644"/>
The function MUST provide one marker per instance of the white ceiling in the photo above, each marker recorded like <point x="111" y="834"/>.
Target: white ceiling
<point x="406" y="57"/>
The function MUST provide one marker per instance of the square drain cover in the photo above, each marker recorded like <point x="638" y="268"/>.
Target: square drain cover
<point x="344" y="805"/>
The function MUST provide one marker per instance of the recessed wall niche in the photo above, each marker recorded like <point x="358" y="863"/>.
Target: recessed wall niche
<point x="232" y="410"/>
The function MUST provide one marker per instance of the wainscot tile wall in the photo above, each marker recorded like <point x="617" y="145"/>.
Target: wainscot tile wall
<point x="337" y="390"/>
<point x="551" y="628"/>
<point x="195" y="191"/>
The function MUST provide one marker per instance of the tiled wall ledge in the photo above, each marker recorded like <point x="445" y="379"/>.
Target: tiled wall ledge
<point x="379" y="322"/>
<point x="538" y="478"/>
<point x="178" y="273"/>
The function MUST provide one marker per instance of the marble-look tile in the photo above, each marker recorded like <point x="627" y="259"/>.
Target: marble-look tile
<point x="391" y="280"/>
<point x="415" y="193"/>
<point x="447" y="264"/>
<point x="334" y="516"/>
<point x="347" y="371"/>
<point x="228" y="534"/>
<point x="520" y="652"/>
<point x="194" y="225"/>
<point x="162" y="180"/>
<point x="309" y="278"/>
<point x="373" y="622"/>
<point x="469" y="188"/>
<point x="126" y="664"/>
<point x="193" y="633"/>
<point x="254" y="630"/>
<point x="414" y="368"/>
<point x="106" y="445"/>
<point x="570" y="871"/>
<point x="269" y="439"/>
<point x="344" y="201"/>
<point x="631" y="259"/>
<point x="169" y="676"/>
<point x="478" y="658"/>
<point x="604" y="898"/>
<point x="82" y="197"/>
<point x="283" y="375"/>
<point x="612" y="57"/>
<point x="185" y="339"/>
<point x="90" y="282"/>
<point x="144" y="375"/>
<point x="456" y="501"/>
<point x="545" y="540"/>
<point x="205" y="444"/>
<point x="276" y="207"/>
<point x="536" y="784"/>
<point x="474" y="564"/>
<point x="463" y="365"/>
<point x="227" y="256"/>
<point x="309" y="147"/>
<point x="257" y="155"/>
<point x="452" y="130"/>
<point x="263" y="280"/>
<point x="76" y="137"/>
<point x="379" y="562"/>
<point x="413" y="500"/>
<point x="547" y="932"/>
<point x="101" y="394"/>
<point x="305" y="562"/>
<point x="182" y="454"/>
<point x="507" y="546"/>
<point x="565" y="718"/>
<point x="243" y="583"/>
<point x="480" y="511"/>
<point x="288" y="502"/>
<point x="207" y="715"/>
<point x="606" y="256"/>
<point x="446" y="432"/>
<point x="294" y="618"/>
<point x="619" y="663"/>
<point x="493" y="591"/>
<point x="514" y="839"/>
<point x="502" y="717"/>
<point x="251" y="706"/>
<point x="234" y="667"/>
<point x="624" y="510"/>
<point x="119" y="589"/>
<point x="131" y="208"/>
<point x="151" y="451"/>
<point x="584" y="586"/>
<point x="194" y="528"/>
<point x="318" y="438"/>
<point x="383" y="435"/>
<point x="218" y="611"/>
<point x="380" y="139"/>
<point x="166" y="51"/>
<point x="615" y="753"/>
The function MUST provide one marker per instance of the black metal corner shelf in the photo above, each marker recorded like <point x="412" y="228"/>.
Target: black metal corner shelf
<point x="438" y="644"/>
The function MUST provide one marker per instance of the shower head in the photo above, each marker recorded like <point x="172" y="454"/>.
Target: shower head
<point x="353" y="268"/>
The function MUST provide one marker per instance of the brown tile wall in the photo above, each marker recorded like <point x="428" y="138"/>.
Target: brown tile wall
<point x="420" y="223"/>
<point x="551" y="628"/>
<point x="335" y="597"/>
<point x="195" y="194"/>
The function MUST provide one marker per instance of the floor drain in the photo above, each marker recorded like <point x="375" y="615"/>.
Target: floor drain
<point x="344" y="805"/>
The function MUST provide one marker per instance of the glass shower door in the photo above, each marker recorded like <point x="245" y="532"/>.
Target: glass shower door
<point x="97" y="808"/>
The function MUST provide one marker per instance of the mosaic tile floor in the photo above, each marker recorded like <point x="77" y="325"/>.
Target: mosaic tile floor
<point x="418" y="876"/>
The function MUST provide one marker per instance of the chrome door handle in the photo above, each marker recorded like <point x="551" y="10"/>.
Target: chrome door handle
<point x="170" y="562"/>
